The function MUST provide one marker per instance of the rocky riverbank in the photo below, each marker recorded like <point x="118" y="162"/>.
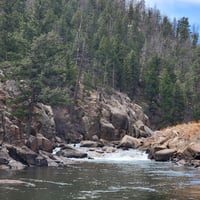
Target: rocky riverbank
<point x="107" y="120"/>
<point x="180" y="144"/>
<point x="98" y="116"/>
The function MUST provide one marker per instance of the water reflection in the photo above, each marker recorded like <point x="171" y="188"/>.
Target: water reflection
<point x="144" y="180"/>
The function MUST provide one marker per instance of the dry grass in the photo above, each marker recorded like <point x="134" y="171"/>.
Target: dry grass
<point x="187" y="130"/>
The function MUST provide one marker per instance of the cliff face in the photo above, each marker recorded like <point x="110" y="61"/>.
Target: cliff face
<point x="9" y="125"/>
<point x="96" y="116"/>
<point x="12" y="129"/>
<point x="102" y="116"/>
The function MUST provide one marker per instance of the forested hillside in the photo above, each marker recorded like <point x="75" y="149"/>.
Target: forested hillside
<point x="56" y="49"/>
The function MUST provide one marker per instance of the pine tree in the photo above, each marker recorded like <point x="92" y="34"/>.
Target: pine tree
<point x="51" y="45"/>
<point x="11" y="35"/>
<point x="183" y="29"/>
<point x="166" y="98"/>
<point x="178" y="104"/>
<point x="43" y="76"/>
<point x="130" y="74"/>
<point x="196" y="85"/>
<point x="171" y="97"/>
<point x="151" y="79"/>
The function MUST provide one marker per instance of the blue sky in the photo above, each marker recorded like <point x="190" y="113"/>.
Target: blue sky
<point x="178" y="9"/>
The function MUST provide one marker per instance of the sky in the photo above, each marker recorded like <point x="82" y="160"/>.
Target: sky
<point x="178" y="9"/>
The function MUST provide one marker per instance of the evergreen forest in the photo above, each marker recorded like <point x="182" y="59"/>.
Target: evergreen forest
<point x="53" y="49"/>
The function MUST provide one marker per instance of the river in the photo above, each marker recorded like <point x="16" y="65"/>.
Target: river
<point x="122" y="175"/>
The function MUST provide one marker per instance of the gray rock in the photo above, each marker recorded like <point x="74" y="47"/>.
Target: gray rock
<point x="164" y="155"/>
<point x="130" y="142"/>
<point x="43" y="122"/>
<point x="192" y="151"/>
<point x="107" y="130"/>
<point x="108" y="116"/>
<point x="89" y="143"/>
<point x="109" y="149"/>
<point x="23" y="155"/>
<point x="4" y="158"/>
<point x="39" y="142"/>
<point x="71" y="153"/>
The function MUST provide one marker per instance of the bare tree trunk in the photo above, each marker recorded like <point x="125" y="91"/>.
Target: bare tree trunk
<point x="2" y="122"/>
<point x="29" y="121"/>
<point x="80" y="52"/>
<point x="113" y="77"/>
<point x="30" y="114"/>
<point x="77" y="86"/>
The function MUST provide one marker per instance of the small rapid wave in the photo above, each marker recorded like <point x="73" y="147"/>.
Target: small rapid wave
<point x="122" y="156"/>
<point x="97" y="155"/>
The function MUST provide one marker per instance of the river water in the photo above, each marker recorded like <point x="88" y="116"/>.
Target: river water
<point x="121" y="175"/>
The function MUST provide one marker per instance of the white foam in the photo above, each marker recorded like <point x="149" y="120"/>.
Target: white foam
<point x="96" y="154"/>
<point x="45" y="181"/>
<point x="122" y="156"/>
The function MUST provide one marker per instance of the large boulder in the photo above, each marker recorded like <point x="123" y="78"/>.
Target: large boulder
<point x="41" y="161"/>
<point x="108" y="116"/>
<point x="111" y="116"/>
<point x="9" y="129"/>
<point x="4" y="157"/>
<point x="164" y="155"/>
<point x="72" y="153"/>
<point x="39" y="142"/>
<point x="7" y="162"/>
<point x="68" y="127"/>
<point x="141" y="130"/>
<point x="89" y="143"/>
<point x="25" y="156"/>
<point x="119" y="117"/>
<point x="130" y="142"/>
<point x="192" y="151"/>
<point x="107" y="130"/>
<point x="16" y="165"/>
<point x="43" y="121"/>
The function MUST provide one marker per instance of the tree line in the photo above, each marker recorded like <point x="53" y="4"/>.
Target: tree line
<point x="53" y="48"/>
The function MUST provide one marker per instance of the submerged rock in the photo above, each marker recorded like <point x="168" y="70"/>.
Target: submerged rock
<point x="10" y="182"/>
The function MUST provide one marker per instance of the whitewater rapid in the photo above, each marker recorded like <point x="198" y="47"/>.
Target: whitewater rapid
<point x="97" y="155"/>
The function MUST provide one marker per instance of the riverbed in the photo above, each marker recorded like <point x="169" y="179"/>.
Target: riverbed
<point x="111" y="177"/>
